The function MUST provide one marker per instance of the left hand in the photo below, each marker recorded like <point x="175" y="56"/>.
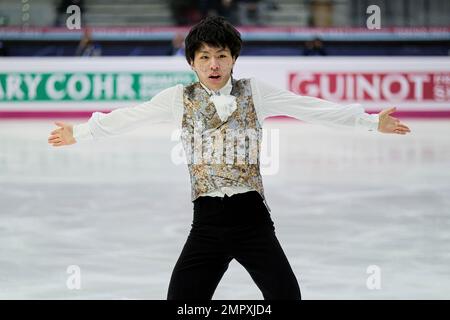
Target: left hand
<point x="388" y="124"/>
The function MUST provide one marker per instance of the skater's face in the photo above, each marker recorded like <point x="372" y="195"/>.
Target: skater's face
<point x="213" y="66"/>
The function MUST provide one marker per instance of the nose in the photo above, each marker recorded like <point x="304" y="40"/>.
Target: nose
<point x="214" y="64"/>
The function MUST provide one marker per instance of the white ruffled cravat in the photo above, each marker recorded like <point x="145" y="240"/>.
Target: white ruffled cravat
<point x="225" y="105"/>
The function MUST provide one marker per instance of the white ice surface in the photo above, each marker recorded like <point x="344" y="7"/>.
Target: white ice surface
<point x="120" y="209"/>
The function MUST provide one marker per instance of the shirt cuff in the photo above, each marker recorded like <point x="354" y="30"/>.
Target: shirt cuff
<point x="82" y="132"/>
<point x="367" y="121"/>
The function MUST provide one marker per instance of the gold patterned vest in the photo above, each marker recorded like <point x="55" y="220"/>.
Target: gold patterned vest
<point x="221" y="153"/>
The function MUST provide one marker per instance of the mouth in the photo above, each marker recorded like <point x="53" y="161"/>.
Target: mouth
<point x="215" y="77"/>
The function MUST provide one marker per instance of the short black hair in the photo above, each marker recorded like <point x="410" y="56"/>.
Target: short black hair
<point x="216" y="32"/>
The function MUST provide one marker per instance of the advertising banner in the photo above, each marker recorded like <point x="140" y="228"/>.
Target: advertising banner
<point x="34" y="86"/>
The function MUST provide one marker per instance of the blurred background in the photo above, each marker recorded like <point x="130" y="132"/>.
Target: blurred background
<point x="361" y="215"/>
<point x="152" y="27"/>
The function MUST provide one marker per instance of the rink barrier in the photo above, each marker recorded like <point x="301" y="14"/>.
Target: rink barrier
<point x="76" y="87"/>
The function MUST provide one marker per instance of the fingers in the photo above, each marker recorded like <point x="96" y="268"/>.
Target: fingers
<point x="388" y="111"/>
<point x="402" y="126"/>
<point x="54" y="135"/>
<point x="391" y="110"/>
<point x="402" y="129"/>
<point x="54" y="138"/>
<point x="58" y="144"/>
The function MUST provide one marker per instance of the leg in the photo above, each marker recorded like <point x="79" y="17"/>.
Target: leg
<point x="200" y="266"/>
<point x="260" y="253"/>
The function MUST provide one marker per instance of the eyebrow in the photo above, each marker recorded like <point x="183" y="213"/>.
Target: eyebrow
<point x="202" y="51"/>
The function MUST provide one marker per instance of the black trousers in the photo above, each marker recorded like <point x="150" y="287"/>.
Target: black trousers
<point x="237" y="227"/>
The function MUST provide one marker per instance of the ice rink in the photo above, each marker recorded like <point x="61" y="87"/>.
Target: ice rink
<point x="344" y="203"/>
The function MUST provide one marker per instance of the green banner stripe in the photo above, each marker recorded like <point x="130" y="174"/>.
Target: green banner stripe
<point x="79" y="86"/>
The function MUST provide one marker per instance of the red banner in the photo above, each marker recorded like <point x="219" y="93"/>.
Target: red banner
<point x="376" y="87"/>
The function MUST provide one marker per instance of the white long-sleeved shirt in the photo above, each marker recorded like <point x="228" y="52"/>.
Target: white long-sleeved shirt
<point x="269" y="101"/>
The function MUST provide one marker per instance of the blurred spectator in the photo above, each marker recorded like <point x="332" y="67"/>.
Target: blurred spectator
<point x="229" y="10"/>
<point x="314" y="48"/>
<point x="250" y="12"/>
<point x="87" y="47"/>
<point x="185" y="12"/>
<point x="3" y="20"/>
<point x="224" y="8"/>
<point x="61" y="11"/>
<point x="239" y="12"/>
<point x="321" y="13"/>
<point x="177" y="45"/>
<point x="3" y="51"/>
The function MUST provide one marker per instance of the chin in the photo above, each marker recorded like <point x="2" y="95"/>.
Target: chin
<point x="217" y="84"/>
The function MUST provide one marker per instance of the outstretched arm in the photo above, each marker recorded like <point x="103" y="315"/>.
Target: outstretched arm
<point x="271" y="101"/>
<point x="158" y="109"/>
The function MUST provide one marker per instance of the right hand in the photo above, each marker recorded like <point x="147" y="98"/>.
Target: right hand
<point x="63" y="136"/>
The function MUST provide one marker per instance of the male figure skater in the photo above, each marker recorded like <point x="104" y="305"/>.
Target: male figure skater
<point x="231" y="218"/>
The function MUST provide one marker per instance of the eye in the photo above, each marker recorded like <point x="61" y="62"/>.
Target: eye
<point x="203" y="57"/>
<point x="222" y="56"/>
